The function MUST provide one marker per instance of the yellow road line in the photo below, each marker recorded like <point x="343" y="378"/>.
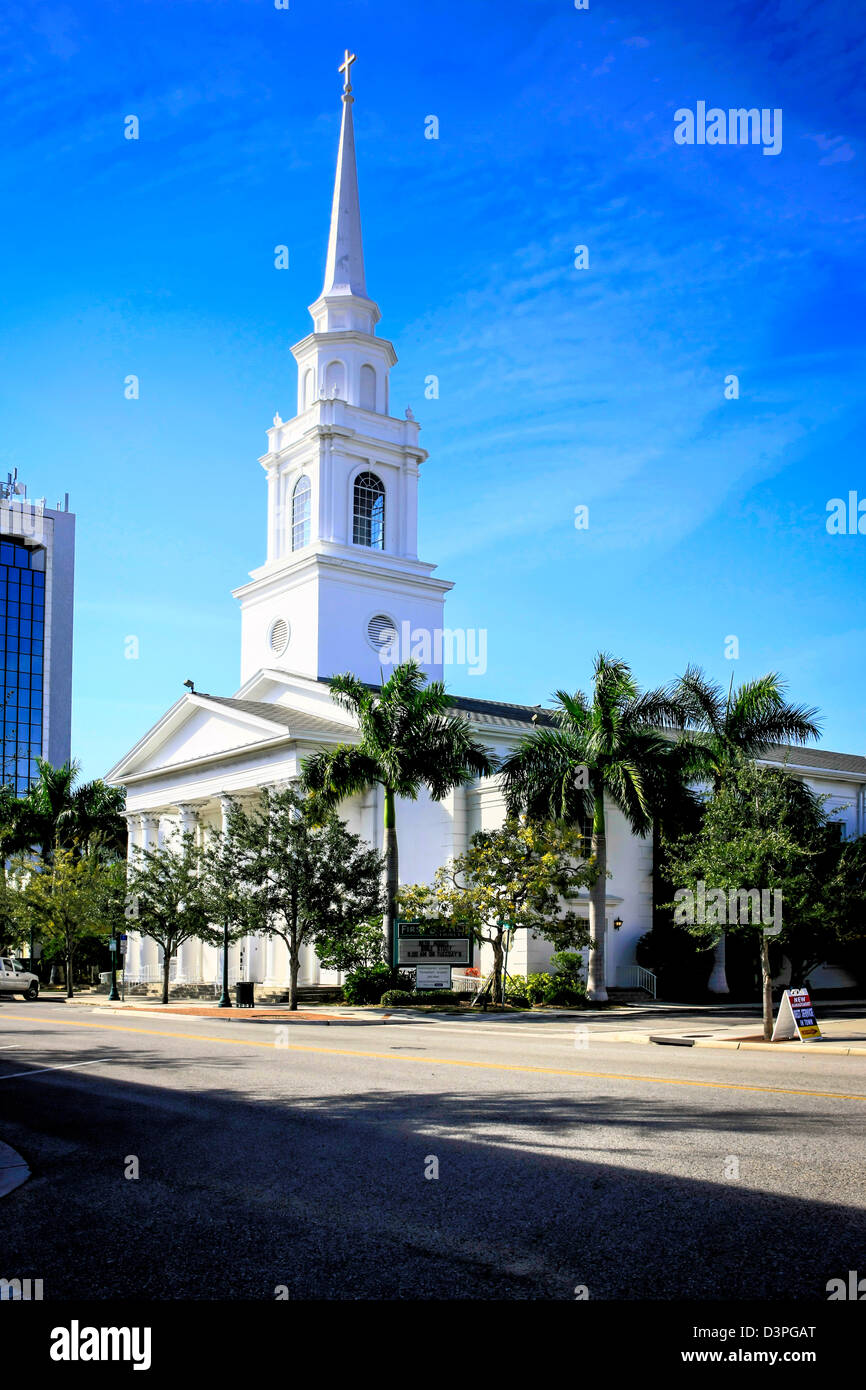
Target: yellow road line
<point x="449" y="1061"/>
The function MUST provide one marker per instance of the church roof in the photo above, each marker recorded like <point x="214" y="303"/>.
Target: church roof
<point x="293" y="719"/>
<point x="517" y="717"/>
<point x="821" y="758"/>
<point x="497" y="712"/>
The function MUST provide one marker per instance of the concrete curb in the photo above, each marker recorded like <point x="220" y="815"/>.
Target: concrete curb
<point x="13" y="1169"/>
<point x="679" y="1040"/>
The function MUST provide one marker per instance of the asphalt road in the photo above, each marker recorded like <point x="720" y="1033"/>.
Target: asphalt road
<point x="638" y="1172"/>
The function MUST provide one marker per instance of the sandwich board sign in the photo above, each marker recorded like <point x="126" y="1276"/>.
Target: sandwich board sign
<point x="796" y="1018"/>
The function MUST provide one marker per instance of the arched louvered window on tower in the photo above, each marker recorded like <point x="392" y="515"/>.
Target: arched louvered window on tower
<point x="335" y="381"/>
<point x="368" y="388"/>
<point x="368" y="512"/>
<point x="301" y="514"/>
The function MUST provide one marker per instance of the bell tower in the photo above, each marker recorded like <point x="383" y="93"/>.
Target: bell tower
<point x="342" y="572"/>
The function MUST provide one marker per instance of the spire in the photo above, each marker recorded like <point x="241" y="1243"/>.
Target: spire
<point x="344" y="271"/>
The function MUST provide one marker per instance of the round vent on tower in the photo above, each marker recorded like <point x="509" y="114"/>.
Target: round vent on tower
<point x="278" y="637"/>
<point x="381" y="631"/>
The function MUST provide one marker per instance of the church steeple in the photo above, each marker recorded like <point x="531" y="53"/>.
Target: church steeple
<point x="344" y="303"/>
<point x="342" y="562"/>
<point x="344" y="271"/>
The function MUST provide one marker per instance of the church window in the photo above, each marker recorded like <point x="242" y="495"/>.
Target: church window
<point x="309" y="382"/>
<point x="301" y="514"/>
<point x="368" y="388"/>
<point x="368" y="513"/>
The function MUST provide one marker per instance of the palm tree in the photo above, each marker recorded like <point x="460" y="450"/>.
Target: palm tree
<point x="740" y="724"/>
<point x="12" y="834"/>
<point x="46" y="805"/>
<point x="57" y="812"/>
<point x="728" y="728"/>
<point x="610" y="746"/>
<point x="96" y="823"/>
<point x="408" y="741"/>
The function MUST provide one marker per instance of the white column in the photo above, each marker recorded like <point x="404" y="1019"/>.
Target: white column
<point x="718" y="981"/>
<point x="226" y="803"/>
<point x="189" y="963"/>
<point x="149" y="821"/>
<point x="456" y="829"/>
<point x="133" y="959"/>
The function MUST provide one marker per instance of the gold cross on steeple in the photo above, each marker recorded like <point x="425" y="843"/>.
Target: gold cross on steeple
<point x="346" y="67"/>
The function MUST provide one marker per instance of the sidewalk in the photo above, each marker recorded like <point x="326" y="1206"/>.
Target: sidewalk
<point x="190" y="1008"/>
<point x="841" y="1039"/>
<point x="731" y="1027"/>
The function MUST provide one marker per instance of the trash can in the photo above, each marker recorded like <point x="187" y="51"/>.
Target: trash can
<point x="245" y="994"/>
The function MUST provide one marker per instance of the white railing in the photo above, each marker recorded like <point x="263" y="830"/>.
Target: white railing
<point x="152" y="975"/>
<point x="635" y="977"/>
<point x="217" y="980"/>
<point x="465" y="984"/>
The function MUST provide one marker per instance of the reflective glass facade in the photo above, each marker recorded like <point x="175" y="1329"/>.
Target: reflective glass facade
<point x="22" y="646"/>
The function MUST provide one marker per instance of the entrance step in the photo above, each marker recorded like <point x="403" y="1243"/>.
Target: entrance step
<point x="320" y="994"/>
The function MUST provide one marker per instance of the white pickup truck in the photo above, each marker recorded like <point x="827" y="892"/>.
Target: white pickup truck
<point x="14" y="979"/>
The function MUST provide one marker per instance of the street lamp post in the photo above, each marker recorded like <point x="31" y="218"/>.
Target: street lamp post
<point x="113" y="946"/>
<point x="225" y="999"/>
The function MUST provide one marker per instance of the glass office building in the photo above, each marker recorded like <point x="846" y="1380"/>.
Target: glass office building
<point x="37" y="581"/>
<point x="22" y="635"/>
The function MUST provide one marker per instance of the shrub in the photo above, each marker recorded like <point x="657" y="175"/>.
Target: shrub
<point x="565" y="995"/>
<point x="517" y="1001"/>
<point x="566" y="987"/>
<point x="424" y="996"/>
<point x="515" y="984"/>
<point x="369" y="983"/>
<point x="537" y="986"/>
<point x="567" y="968"/>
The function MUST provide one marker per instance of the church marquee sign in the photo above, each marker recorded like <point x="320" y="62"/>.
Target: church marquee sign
<point x="431" y="943"/>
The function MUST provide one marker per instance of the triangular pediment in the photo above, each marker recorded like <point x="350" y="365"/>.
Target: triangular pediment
<point x="203" y="728"/>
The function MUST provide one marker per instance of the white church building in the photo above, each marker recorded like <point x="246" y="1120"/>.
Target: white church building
<point x="341" y="575"/>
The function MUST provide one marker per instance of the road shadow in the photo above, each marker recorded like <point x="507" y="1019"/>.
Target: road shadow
<point x="326" y="1194"/>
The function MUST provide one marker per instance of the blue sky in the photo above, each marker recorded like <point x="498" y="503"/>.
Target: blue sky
<point x="558" y="387"/>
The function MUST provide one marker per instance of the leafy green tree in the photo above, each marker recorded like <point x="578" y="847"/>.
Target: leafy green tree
<point x="312" y="880"/>
<point x="846" y="887"/>
<point x="520" y="877"/>
<point x="609" y="746"/>
<point x="72" y="898"/>
<point x="167" y="898"/>
<point x="722" y="728"/>
<point x="353" y="946"/>
<point x="229" y="888"/>
<point x="762" y="830"/>
<point x="408" y="740"/>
